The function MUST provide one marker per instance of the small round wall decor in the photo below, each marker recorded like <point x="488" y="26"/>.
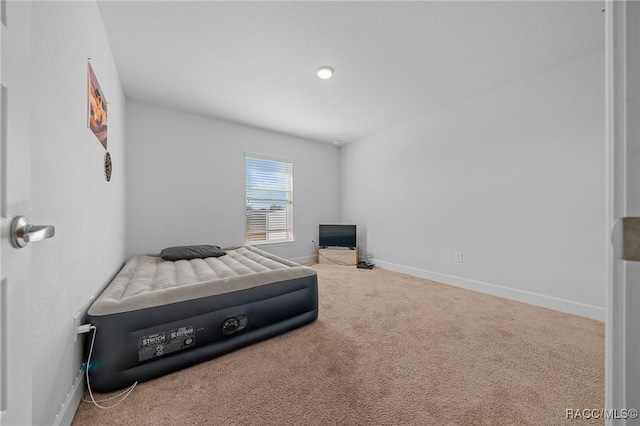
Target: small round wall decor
<point x="107" y="167"/>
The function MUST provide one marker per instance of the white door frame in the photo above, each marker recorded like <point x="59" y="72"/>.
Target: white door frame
<point x="622" y="341"/>
<point x="16" y="385"/>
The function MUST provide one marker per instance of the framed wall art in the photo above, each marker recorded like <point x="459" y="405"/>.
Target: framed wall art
<point x="97" y="108"/>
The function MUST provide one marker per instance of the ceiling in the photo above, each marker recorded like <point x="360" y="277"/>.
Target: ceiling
<point x="254" y="63"/>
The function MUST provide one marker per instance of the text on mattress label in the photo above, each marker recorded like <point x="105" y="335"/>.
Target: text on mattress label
<point x="166" y="342"/>
<point x="152" y="339"/>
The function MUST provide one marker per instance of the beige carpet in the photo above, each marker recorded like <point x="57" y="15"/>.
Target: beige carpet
<point x="389" y="349"/>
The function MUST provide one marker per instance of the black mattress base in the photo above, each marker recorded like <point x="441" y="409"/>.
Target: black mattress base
<point x="189" y="332"/>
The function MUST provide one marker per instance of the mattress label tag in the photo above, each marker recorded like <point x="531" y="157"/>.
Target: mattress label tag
<point x="165" y="342"/>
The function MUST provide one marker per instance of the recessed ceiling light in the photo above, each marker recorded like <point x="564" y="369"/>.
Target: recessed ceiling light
<point x="324" y="72"/>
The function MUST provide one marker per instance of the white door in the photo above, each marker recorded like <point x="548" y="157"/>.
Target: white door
<point x="622" y="348"/>
<point x="15" y="185"/>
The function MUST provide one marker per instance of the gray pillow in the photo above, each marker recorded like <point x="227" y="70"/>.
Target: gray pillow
<point x="191" y="252"/>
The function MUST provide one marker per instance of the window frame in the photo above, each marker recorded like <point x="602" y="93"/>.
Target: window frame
<point x="288" y="164"/>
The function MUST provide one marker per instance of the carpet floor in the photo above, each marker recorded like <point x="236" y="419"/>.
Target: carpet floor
<point x="389" y="349"/>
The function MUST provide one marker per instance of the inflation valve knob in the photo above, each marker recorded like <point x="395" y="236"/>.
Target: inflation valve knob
<point x="234" y="324"/>
<point x="230" y="326"/>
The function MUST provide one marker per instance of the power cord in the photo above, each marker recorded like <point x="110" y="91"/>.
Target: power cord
<point x="85" y="328"/>
<point x="366" y="258"/>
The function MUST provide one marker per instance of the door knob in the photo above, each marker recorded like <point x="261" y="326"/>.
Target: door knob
<point x="625" y="237"/>
<point x="22" y="233"/>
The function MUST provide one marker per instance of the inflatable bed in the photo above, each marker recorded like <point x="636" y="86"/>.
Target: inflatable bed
<point x="158" y="316"/>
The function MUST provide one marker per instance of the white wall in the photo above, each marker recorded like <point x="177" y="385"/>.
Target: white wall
<point x="513" y="178"/>
<point x="185" y="181"/>
<point x="70" y="191"/>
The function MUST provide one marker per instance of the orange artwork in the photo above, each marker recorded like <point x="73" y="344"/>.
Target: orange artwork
<point x="97" y="109"/>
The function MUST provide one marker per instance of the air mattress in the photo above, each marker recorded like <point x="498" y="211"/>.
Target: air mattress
<point x="159" y="316"/>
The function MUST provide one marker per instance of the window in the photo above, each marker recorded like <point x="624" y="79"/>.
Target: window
<point x="269" y="199"/>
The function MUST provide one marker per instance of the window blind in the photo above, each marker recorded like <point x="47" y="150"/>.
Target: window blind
<point x="269" y="200"/>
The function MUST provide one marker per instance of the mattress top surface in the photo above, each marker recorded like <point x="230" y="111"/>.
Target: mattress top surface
<point x="148" y="281"/>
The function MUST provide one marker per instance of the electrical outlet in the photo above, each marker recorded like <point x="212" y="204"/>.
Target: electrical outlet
<point x="457" y="256"/>
<point x="76" y="324"/>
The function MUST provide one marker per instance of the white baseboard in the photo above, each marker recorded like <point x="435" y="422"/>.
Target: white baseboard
<point x="550" y="302"/>
<point x="71" y="402"/>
